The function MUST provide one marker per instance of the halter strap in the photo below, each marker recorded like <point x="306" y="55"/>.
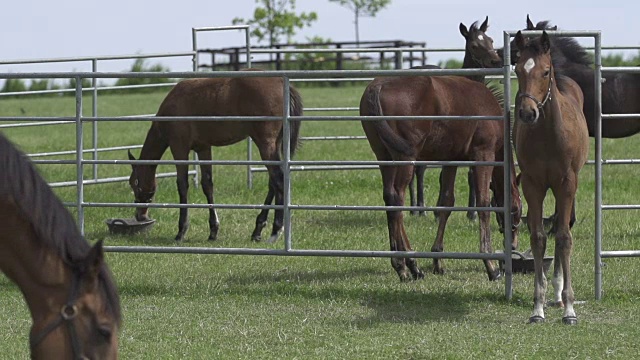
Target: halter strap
<point x="68" y="312"/>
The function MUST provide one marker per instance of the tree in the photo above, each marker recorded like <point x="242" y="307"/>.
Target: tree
<point x="362" y="8"/>
<point x="276" y="19"/>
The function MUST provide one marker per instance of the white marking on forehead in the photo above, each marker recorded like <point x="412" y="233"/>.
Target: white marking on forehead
<point x="480" y="37"/>
<point x="529" y="65"/>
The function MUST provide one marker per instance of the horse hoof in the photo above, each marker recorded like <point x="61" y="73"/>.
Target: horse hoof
<point x="418" y="275"/>
<point x="570" y="320"/>
<point x="495" y="276"/>
<point x="405" y="277"/>
<point x="213" y="237"/>
<point x="536" y="319"/>
<point x="438" y="271"/>
<point x="256" y="238"/>
<point x="273" y="238"/>
<point x="179" y="238"/>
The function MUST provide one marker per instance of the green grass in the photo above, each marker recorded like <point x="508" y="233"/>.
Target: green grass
<point x="215" y="306"/>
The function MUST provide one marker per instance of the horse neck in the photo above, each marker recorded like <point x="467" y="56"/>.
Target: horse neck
<point x="552" y="110"/>
<point x="43" y="278"/>
<point x="469" y="63"/>
<point x="153" y="148"/>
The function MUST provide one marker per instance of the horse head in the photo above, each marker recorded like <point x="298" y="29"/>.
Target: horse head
<point x="479" y="45"/>
<point x="143" y="184"/>
<point x="534" y="69"/>
<point x="542" y="25"/>
<point x="82" y="327"/>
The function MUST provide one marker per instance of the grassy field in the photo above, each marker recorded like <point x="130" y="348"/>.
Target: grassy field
<point x="259" y="307"/>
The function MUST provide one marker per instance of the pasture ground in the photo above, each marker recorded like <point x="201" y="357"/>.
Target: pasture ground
<point x="249" y="307"/>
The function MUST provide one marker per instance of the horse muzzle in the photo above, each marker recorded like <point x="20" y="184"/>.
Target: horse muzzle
<point x="529" y="116"/>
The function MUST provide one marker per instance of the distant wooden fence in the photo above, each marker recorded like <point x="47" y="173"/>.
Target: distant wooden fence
<point x="234" y="58"/>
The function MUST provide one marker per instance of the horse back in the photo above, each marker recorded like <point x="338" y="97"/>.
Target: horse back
<point x="430" y="96"/>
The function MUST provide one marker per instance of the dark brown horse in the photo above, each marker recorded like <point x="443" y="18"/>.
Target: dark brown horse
<point x="552" y="142"/>
<point x="255" y="96"/>
<point x="479" y="53"/>
<point x="476" y="140"/>
<point x="68" y="288"/>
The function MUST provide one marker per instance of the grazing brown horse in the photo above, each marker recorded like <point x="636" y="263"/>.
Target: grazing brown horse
<point x="465" y="140"/>
<point x="552" y="142"/>
<point x="255" y="96"/>
<point x="479" y="53"/>
<point x="66" y="284"/>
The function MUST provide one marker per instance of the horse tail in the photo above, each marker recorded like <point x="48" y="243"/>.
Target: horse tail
<point x="295" y="109"/>
<point x="387" y="135"/>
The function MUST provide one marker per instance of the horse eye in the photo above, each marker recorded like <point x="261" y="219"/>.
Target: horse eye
<point x="546" y="73"/>
<point x="135" y="182"/>
<point x="105" y="331"/>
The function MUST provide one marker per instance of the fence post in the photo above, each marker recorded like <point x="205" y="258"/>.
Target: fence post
<point x="286" y="168"/>
<point x="598" y="163"/>
<point x="508" y="154"/>
<point x="79" y="154"/>
<point x="194" y="46"/>
<point x="338" y="57"/>
<point x="398" y="59"/>
<point x="94" y="113"/>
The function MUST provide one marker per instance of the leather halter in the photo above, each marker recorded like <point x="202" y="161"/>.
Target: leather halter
<point x="68" y="312"/>
<point x="540" y="104"/>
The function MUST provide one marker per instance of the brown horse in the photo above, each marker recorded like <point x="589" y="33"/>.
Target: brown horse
<point x="479" y="53"/>
<point x="68" y="288"/>
<point x="620" y="92"/>
<point x="255" y="96"/>
<point x="465" y="140"/>
<point x="552" y="142"/>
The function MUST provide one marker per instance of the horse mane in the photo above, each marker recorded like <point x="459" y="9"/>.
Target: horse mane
<point x="566" y="50"/>
<point x="51" y="222"/>
<point x="474" y="27"/>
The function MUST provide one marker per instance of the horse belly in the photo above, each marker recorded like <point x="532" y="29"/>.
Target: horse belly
<point x="219" y="133"/>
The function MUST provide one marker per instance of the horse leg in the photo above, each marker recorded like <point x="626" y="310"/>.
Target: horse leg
<point x="207" y="189"/>
<point x="269" y="152"/>
<point x="565" y="199"/>
<point x="441" y="195"/>
<point x="471" y="214"/>
<point x="482" y="181"/>
<point x="446" y="198"/>
<point x="412" y="192"/>
<point x="261" y="220"/>
<point x="534" y="194"/>
<point x="394" y="181"/>
<point x="183" y="190"/>
<point x="419" y="171"/>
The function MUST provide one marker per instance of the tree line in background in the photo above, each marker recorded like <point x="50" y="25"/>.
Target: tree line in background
<point x="274" y="21"/>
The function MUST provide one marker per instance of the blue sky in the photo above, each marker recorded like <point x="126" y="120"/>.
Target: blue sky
<point x="51" y="29"/>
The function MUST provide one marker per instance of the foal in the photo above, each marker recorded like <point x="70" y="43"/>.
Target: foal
<point x="551" y="140"/>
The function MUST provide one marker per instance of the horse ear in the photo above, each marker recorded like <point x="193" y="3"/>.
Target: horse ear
<point x="520" y="40"/>
<point x="92" y="263"/>
<point x="530" y="25"/>
<point x="554" y="28"/>
<point x="464" y="31"/>
<point x="546" y="43"/>
<point x="131" y="157"/>
<point x="485" y="25"/>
